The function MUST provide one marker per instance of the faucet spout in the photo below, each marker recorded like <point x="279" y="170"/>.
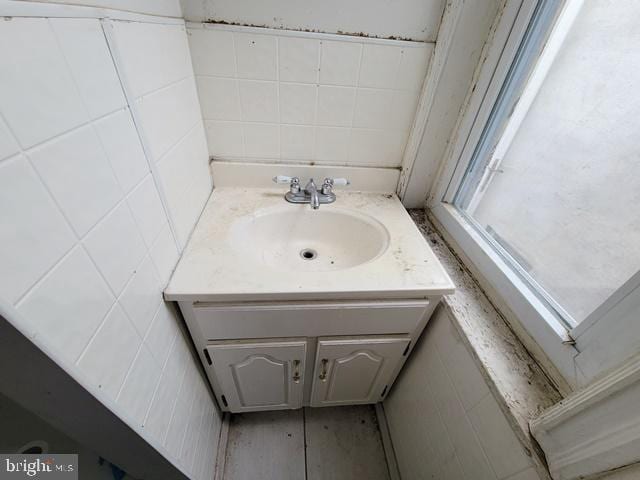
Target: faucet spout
<point x="312" y="191"/>
<point x="315" y="200"/>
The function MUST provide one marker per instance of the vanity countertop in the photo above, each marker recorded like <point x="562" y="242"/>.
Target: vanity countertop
<point x="228" y="258"/>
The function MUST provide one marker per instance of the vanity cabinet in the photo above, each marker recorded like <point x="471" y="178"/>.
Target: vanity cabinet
<point x="355" y="370"/>
<point x="254" y="375"/>
<point x="276" y="328"/>
<point x="259" y="375"/>
<point x="286" y="355"/>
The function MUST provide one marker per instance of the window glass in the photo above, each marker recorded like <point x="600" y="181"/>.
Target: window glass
<point x="560" y="191"/>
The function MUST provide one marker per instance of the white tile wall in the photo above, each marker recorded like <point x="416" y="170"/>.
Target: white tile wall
<point x="444" y="422"/>
<point x="118" y="334"/>
<point x="157" y="65"/>
<point x="32" y="243"/>
<point x="78" y="156"/>
<point x="8" y="145"/>
<point x="352" y="100"/>
<point x="116" y="236"/>
<point x="53" y="105"/>
<point x="120" y="141"/>
<point x="86" y="243"/>
<point x="90" y="62"/>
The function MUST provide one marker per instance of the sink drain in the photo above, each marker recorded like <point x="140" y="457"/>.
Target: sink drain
<point x="308" y="254"/>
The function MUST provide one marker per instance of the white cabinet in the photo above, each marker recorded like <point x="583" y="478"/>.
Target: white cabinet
<point x="263" y="355"/>
<point x="260" y="374"/>
<point x="356" y="370"/>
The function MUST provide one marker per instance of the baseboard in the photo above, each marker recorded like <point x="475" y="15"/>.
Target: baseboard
<point x="221" y="455"/>
<point x="387" y="444"/>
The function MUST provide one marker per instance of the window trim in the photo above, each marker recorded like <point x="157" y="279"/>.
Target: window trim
<point x="537" y="317"/>
<point x="580" y="354"/>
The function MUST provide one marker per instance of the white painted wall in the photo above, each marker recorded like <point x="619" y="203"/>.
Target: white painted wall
<point x="86" y="243"/>
<point x="471" y="33"/>
<point x="166" y="8"/>
<point x="444" y="421"/>
<point x="411" y="19"/>
<point x="289" y="97"/>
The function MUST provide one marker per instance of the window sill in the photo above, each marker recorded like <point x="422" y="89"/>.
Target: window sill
<point x="517" y="382"/>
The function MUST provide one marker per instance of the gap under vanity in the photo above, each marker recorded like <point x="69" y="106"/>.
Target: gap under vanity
<point x="303" y="240"/>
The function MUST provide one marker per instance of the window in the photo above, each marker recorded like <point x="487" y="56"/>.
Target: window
<point x="549" y="178"/>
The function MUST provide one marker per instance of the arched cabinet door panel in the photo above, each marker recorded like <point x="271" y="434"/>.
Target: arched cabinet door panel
<point x="355" y="370"/>
<point x="259" y="375"/>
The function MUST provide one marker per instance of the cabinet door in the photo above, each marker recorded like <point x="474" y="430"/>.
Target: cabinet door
<point x="355" y="370"/>
<point x="259" y="374"/>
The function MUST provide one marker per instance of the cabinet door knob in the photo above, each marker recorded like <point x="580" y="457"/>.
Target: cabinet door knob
<point x="296" y="371"/>
<point x="323" y="373"/>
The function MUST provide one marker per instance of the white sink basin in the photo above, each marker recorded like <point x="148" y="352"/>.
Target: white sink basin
<point x="249" y="245"/>
<point x="309" y="240"/>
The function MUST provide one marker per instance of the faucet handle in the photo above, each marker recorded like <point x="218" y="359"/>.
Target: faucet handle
<point x="332" y="182"/>
<point x="340" y="181"/>
<point x="282" y="179"/>
<point x="294" y="182"/>
<point x="329" y="183"/>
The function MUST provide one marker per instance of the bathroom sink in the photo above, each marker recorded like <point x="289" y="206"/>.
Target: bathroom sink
<point x="252" y="245"/>
<point x="301" y="239"/>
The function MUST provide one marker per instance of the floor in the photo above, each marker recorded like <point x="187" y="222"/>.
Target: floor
<point x="341" y="443"/>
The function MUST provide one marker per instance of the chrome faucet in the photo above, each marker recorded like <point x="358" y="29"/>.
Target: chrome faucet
<point x="312" y="191"/>
<point x="310" y="194"/>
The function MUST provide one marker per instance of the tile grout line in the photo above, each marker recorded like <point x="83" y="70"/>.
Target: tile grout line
<point x="278" y="98"/>
<point x="314" y="147"/>
<point x="293" y="82"/>
<point x="237" y="85"/>
<point x="162" y="371"/>
<point x="92" y="123"/>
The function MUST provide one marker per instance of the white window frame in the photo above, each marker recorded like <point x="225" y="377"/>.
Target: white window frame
<point x="579" y="353"/>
